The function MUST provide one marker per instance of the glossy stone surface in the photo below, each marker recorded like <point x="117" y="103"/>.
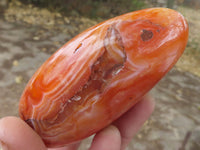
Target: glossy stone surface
<point x="101" y="73"/>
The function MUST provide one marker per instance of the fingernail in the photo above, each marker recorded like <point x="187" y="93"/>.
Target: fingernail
<point x="111" y="128"/>
<point x="3" y="146"/>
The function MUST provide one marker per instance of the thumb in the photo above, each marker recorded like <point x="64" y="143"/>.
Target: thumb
<point x="15" y="134"/>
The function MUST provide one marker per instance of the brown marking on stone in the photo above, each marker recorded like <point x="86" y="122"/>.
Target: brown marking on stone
<point x="146" y="35"/>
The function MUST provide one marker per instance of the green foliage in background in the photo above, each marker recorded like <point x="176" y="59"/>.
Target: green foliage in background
<point x="90" y="8"/>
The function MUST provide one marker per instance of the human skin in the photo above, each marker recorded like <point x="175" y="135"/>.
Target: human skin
<point x="15" y="134"/>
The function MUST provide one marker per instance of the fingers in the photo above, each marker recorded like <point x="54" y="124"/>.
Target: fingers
<point x="15" y="134"/>
<point x="68" y="147"/>
<point x="130" y="123"/>
<point x="107" y="139"/>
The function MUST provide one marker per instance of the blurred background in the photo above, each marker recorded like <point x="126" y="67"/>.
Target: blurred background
<point x="32" y="30"/>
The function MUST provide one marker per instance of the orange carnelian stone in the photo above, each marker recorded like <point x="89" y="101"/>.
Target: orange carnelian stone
<point x="101" y="73"/>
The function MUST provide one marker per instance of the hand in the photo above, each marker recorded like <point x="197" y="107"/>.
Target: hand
<point x="15" y="134"/>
